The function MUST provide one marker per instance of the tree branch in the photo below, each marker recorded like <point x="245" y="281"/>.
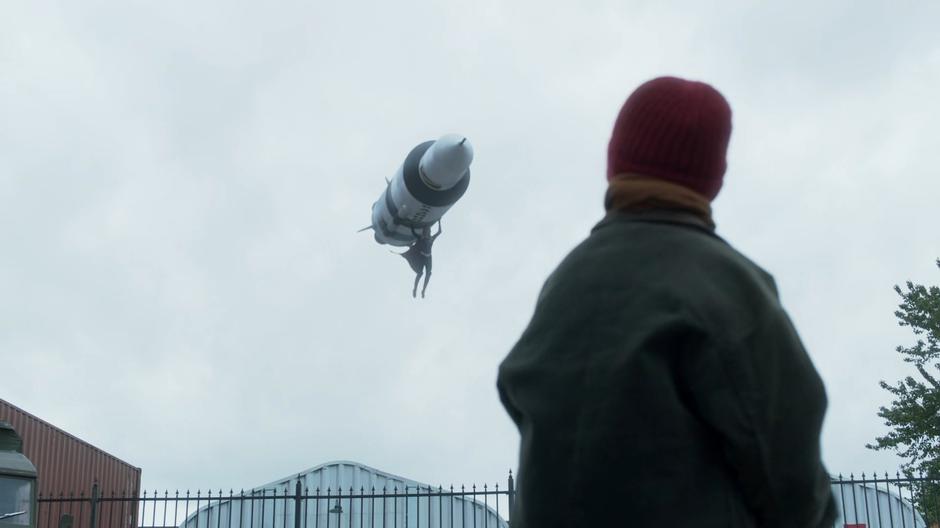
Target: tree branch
<point x="928" y="377"/>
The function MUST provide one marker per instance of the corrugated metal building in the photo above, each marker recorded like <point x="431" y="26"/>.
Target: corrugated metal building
<point x="403" y="512"/>
<point x="65" y="463"/>
<point x="866" y="506"/>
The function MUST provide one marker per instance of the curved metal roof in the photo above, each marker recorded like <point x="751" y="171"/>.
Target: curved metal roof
<point x="345" y="491"/>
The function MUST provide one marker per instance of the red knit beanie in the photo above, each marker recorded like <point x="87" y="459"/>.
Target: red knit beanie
<point x="675" y="130"/>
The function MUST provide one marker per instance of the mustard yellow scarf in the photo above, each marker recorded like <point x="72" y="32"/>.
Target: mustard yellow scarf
<point x="637" y="193"/>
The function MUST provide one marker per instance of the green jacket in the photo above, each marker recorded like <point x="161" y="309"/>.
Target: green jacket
<point x="660" y="383"/>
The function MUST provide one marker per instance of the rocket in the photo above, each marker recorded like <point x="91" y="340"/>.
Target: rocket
<point x="433" y="177"/>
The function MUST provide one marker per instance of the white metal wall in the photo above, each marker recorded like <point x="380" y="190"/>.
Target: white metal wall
<point x="325" y="481"/>
<point x="864" y="505"/>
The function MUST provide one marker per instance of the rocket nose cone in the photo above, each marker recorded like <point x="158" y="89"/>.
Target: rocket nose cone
<point x="445" y="163"/>
<point x="464" y="150"/>
<point x="455" y="146"/>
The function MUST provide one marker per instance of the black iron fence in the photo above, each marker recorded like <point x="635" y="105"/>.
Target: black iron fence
<point x="887" y="502"/>
<point x="864" y="502"/>
<point x="300" y="507"/>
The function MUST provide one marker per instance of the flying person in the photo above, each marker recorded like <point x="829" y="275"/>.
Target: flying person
<point x="419" y="256"/>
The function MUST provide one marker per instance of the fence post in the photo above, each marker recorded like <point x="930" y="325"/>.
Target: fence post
<point x="512" y="498"/>
<point x="65" y="521"/>
<point x="297" y="508"/>
<point x="93" y="523"/>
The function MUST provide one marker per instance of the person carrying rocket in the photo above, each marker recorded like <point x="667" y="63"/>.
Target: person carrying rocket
<point x="433" y="177"/>
<point x="419" y="256"/>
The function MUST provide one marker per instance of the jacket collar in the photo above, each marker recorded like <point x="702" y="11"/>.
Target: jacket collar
<point x="659" y="216"/>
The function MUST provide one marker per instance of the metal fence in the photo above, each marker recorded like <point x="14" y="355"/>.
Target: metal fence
<point x="410" y="507"/>
<point x="864" y="502"/>
<point x="887" y="502"/>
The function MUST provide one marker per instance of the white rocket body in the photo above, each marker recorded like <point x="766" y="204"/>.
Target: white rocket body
<point x="433" y="177"/>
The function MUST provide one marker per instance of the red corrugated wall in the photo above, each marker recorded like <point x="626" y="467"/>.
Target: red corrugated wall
<point x="65" y="463"/>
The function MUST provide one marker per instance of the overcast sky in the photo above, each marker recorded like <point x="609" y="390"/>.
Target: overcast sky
<point x="181" y="283"/>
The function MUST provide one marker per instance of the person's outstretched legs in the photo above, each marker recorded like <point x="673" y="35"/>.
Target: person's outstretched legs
<point x="427" y="276"/>
<point x="414" y="291"/>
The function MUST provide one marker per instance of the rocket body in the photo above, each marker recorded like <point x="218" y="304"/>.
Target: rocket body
<point x="433" y="177"/>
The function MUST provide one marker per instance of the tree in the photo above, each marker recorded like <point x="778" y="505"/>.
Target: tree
<point x="914" y="415"/>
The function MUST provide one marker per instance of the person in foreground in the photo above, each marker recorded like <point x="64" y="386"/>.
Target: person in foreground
<point x="660" y="382"/>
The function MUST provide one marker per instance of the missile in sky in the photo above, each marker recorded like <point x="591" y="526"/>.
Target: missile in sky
<point x="433" y="177"/>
